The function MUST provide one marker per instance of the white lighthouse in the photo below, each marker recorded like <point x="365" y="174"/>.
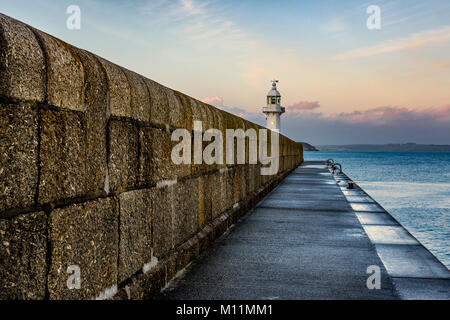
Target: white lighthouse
<point x="274" y="110"/>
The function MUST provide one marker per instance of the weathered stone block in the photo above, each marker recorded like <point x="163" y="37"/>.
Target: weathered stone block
<point x="119" y="90"/>
<point x="230" y="121"/>
<point x="159" y="102"/>
<point x="65" y="74"/>
<point x="185" y="122"/>
<point x="221" y="197"/>
<point x="203" y="240"/>
<point x="18" y="156"/>
<point x="96" y="122"/>
<point x="84" y="235"/>
<point x="63" y="155"/>
<point x="259" y="179"/>
<point x="23" y="249"/>
<point x="237" y="184"/>
<point x="171" y="266"/>
<point x="209" y="121"/>
<point x="215" y="115"/>
<point x="22" y="62"/>
<point x="185" y="212"/>
<point x="201" y="168"/>
<point x="140" y="99"/>
<point x="252" y="179"/>
<point x="208" y="125"/>
<point x="187" y="252"/>
<point x="188" y="115"/>
<point x="219" y="119"/>
<point x="229" y="196"/>
<point x="135" y="247"/>
<point x="198" y="111"/>
<point x="147" y="285"/>
<point x="146" y="165"/>
<point x="163" y="167"/>
<point x="240" y="124"/>
<point x="220" y="224"/>
<point x="244" y="177"/>
<point x="219" y="124"/>
<point x="162" y="209"/>
<point x="176" y="110"/>
<point x="205" y="200"/>
<point x="123" y="155"/>
<point x="263" y="179"/>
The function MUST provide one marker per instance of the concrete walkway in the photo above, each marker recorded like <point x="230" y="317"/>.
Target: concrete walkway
<point x="303" y="241"/>
<point x="415" y="271"/>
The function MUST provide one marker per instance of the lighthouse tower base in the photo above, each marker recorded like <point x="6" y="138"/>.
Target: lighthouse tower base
<point x="273" y="121"/>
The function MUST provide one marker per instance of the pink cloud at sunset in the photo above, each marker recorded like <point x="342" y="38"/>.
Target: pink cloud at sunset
<point x="375" y="116"/>
<point x="386" y="115"/>
<point x="303" y="106"/>
<point x="379" y="125"/>
<point x="304" y="121"/>
<point x="214" y="101"/>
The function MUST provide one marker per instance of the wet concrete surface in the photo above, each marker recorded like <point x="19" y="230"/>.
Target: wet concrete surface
<point x="303" y="241"/>
<point x="415" y="271"/>
<point x="411" y="261"/>
<point x="384" y="234"/>
<point x="376" y="218"/>
<point x="422" y="289"/>
<point x="367" y="207"/>
<point x="312" y="238"/>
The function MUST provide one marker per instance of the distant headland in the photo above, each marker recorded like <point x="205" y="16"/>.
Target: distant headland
<point x="308" y="147"/>
<point x="406" y="147"/>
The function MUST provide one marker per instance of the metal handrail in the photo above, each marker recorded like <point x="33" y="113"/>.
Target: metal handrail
<point x="340" y="167"/>
<point x="334" y="167"/>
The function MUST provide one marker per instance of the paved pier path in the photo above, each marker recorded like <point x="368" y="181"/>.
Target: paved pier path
<point x="303" y="241"/>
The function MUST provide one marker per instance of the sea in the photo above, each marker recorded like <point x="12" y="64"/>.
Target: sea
<point x="414" y="187"/>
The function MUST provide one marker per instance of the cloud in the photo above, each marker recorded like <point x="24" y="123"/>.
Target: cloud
<point x="441" y="113"/>
<point x="197" y="20"/>
<point x="392" y="115"/>
<point x="303" y="106"/>
<point x="441" y="64"/>
<point x="386" y="115"/>
<point x="388" y="124"/>
<point x="214" y="101"/>
<point x="396" y="12"/>
<point x="416" y="40"/>
<point x="335" y="25"/>
<point x="193" y="8"/>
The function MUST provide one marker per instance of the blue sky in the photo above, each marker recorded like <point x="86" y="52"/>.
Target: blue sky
<point x="333" y="71"/>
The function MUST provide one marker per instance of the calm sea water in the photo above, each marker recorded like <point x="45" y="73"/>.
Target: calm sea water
<point x="413" y="186"/>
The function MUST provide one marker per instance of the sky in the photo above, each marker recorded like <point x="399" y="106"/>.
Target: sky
<point x="341" y="82"/>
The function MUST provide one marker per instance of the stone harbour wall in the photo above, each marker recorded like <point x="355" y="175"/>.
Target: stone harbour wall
<point x="86" y="177"/>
